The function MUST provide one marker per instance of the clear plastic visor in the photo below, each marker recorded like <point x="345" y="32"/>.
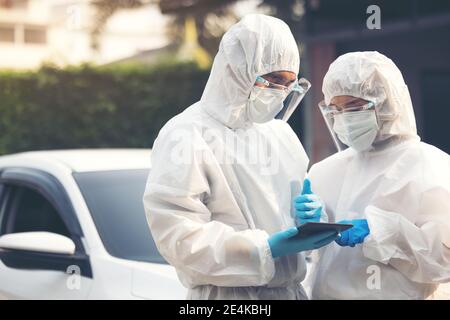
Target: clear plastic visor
<point x="297" y="92"/>
<point x="330" y="111"/>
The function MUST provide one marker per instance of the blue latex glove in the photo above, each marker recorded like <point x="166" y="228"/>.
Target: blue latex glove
<point x="308" y="206"/>
<point x="355" y="235"/>
<point x="288" y="242"/>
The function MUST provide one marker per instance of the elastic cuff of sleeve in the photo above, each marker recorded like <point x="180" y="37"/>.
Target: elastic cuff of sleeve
<point x="324" y="216"/>
<point x="380" y="244"/>
<point x="267" y="261"/>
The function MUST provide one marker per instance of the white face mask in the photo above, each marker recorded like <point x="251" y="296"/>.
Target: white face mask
<point x="356" y="129"/>
<point x="264" y="104"/>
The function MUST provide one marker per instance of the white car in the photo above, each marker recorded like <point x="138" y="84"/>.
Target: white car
<point x="72" y="226"/>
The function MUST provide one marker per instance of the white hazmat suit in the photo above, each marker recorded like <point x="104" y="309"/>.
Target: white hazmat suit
<point x="220" y="184"/>
<point x="401" y="186"/>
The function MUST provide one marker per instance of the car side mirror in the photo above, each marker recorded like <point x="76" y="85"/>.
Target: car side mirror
<point x="46" y="242"/>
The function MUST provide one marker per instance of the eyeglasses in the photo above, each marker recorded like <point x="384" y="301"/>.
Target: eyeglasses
<point x="332" y="109"/>
<point x="301" y="86"/>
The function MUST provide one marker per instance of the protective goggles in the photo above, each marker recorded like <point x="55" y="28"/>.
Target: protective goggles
<point x="294" y="95"/>
<point x="332" y="109"/>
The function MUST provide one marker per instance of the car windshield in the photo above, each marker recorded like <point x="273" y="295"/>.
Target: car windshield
<point x="114" y="199"/>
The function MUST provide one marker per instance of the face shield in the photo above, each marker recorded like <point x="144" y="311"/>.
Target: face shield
<point x="351" y="126"/>
<point x="293" y="99"/>
<point x="294" y="95"/>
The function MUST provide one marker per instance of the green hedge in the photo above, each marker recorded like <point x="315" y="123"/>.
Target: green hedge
<point x="93" y="107"/>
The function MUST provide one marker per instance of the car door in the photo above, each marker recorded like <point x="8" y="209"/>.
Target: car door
<point x="33" y="200"/>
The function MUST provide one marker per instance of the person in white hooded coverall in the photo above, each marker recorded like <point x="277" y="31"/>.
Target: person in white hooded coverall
<point x="399" y="184"/>
<point x="210" y="209"/>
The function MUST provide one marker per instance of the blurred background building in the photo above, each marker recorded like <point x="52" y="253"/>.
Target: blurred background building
<point x="413" y="33"/>
<point x="33" y="32"/>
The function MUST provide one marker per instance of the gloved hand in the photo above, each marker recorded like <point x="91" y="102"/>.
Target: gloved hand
<point x="308" y="206"/>
<point x="289" y="242"/>
<point x="354" y="235"/>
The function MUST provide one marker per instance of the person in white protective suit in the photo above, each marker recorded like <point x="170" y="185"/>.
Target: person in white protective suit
<point x="394" y="188"/>
<point x="224" y="173"/>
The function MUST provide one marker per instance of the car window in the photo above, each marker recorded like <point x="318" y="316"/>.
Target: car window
<point x="114" y="199"/>
<point x="28" y="211"/>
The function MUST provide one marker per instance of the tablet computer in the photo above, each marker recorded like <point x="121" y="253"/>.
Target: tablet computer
<point x="310" y="228"/>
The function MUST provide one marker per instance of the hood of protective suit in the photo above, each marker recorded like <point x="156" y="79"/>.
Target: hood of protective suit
<point x="374" y="77"/>
<point x="256" y="45"/>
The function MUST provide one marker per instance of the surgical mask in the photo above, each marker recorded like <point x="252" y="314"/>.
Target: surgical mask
<point x="264" y="104"/>
<point x="356" y="129"/>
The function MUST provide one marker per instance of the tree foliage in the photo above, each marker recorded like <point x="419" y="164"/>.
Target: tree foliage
<point x="93" y="107"/>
